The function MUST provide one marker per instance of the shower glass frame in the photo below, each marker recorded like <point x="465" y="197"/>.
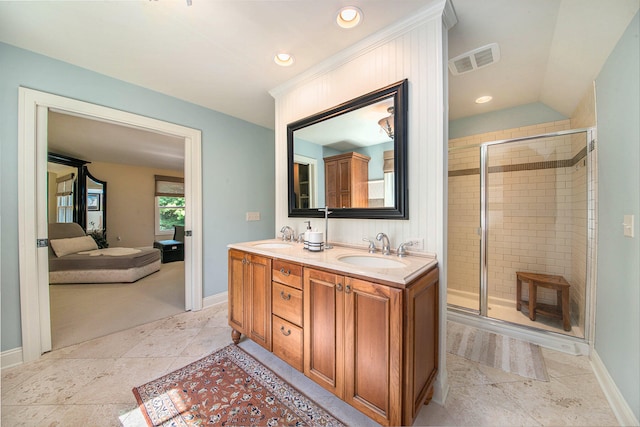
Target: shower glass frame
<point x="483" y="229"/>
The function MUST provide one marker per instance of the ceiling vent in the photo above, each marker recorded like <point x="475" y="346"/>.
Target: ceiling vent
<point x="475" y="59"/>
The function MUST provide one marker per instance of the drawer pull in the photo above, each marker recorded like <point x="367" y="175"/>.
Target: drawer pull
<point x="286" y="297"/>
<point x="285" y="333"/>
<point x="339" y="287"/>
<point x="347" y="290"/>
<point x="285" y="272"/>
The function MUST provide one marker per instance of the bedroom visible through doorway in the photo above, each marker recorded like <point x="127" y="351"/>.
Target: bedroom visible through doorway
<point x="81" y="148"/>
<point x="32" y="155"/>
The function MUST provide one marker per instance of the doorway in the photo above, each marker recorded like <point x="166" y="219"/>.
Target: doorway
<point x="32" y="155"/>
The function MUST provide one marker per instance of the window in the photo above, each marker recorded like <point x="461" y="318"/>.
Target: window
<point x="170" y="204"/>
<point x="64" y="198"/>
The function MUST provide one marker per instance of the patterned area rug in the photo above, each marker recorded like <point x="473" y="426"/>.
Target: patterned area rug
<point x="498" y="351"/>
<point x="228" y="387"/>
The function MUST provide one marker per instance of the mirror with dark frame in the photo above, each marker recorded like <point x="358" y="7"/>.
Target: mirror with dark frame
<point x="351" y="158"/>
<point x="88" y="197"/>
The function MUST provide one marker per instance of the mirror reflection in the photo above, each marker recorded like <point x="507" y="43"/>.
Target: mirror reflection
<point x="96" y="200"/>
<point x="351" y="158"/>
<point x="341" y="162"/>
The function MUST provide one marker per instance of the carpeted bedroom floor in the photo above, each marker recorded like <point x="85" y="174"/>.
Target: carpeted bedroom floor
<point x="82" y="312"/>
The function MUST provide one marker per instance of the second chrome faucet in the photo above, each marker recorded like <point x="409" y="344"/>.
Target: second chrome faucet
<point x="386" y="246"/>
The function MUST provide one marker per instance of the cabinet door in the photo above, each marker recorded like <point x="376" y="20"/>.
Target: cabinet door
<point x="324" y="329"/>
<point x="344" y="182"/>
<point x="331" y="184"/>
<point x="237" y="292"/>
<point x="373" y="350"/>
<point x="259" y="285"/>
<point x="421" y="345"/>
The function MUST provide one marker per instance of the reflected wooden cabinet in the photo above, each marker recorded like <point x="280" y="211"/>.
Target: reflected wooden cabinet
<point x="250" y="297"/>
<point x="346" y="179"/>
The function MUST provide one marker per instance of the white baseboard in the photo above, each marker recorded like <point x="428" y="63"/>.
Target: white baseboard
<point x="11" y="358"/>
<point x="216" y="299"/>
<point x="618" y="403"/>
<point x="441" y="389"/>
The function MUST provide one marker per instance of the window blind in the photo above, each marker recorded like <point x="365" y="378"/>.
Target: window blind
<point x="65" y="185"/>
<point x="171" y="186"/>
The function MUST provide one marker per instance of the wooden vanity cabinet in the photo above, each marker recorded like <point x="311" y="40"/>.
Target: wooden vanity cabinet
<point x="324" y="318"/>
<point x="361" y="345"/>
<point x="286" y="305"/>
<point x="250" y="297"/>
<point x="374" y="345"/>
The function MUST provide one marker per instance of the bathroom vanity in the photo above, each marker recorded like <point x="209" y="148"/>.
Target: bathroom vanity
<point x="363" y="326"/>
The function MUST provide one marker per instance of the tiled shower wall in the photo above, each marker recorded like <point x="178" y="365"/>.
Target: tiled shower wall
<point x="537" y="212"/>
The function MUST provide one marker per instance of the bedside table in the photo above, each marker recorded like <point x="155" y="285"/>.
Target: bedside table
<point x="170" y="250"/>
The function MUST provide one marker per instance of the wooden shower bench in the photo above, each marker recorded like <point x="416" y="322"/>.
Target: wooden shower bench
<point x="549" y="281"/>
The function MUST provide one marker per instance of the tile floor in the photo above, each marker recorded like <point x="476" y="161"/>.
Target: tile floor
<point x="91" y="383"/>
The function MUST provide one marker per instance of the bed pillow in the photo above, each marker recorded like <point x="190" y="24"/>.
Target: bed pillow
<point x="63" y="247"/>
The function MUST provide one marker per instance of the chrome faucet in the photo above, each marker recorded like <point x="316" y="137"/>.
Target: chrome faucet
<point x="386" y="246"/>
<point x="372" y="245"/>
<point x="288" y="233"/>
<point x="402" y="252"/>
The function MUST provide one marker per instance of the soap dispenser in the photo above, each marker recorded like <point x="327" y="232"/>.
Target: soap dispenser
<point x="306" y="235"/>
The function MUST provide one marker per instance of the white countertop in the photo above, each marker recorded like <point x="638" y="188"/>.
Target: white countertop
<point x="414" y="263"/>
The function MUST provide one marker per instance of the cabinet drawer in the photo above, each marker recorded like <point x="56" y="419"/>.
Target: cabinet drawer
<point x="286" y="302"/>
<point x="287" y="342"/>
<point x="287" y="273"/>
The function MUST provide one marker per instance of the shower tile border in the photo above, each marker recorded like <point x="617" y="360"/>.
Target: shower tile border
<point x="551" y="164"/>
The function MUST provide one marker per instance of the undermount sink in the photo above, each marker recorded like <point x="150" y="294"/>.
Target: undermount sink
<point x="371" y="261"/>
<point x="272" y="245"/>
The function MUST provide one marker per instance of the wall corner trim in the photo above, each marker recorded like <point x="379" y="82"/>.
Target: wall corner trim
<point x="11" y="358"/>
<point x="216" y="299"/>
<point x="441" y="388"/>
<point x="619" y="405"/>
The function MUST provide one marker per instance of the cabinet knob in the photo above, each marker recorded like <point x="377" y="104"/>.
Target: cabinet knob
<point x="285" y="333"/>
<point x="285" y="272"/>
<point x="286" y="297"/>
<point x="347" y="290"/>
<point x="339" y="287"/>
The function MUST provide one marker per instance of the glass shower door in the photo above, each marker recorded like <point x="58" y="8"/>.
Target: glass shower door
<point x="536" y="222"/>
<point x="463" y="271"/>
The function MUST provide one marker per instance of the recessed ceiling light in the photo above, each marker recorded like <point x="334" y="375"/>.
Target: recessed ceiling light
<point x="283" y="59"/>
<point x="349" y="17"/>
<point x="484" y="99"/>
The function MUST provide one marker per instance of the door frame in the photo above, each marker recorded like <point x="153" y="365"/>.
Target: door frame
<point x="32" y="198"/>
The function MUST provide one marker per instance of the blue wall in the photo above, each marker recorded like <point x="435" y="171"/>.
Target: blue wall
<point x="238" y="165"/>
<point x="618" y="290"/>
<point x="509" y="118"/>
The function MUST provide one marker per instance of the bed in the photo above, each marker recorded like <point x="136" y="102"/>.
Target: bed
<point x="74" y="257"/>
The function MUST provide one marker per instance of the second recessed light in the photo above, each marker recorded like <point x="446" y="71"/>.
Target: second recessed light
<point x="349" y="17"/>
<point x="283" y="59"/>
<point x="484" y="99"/>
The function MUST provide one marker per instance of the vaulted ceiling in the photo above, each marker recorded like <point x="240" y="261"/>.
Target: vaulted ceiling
<point x="219" y="53"/>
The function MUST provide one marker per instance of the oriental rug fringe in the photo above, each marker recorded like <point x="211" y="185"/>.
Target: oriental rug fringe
<point x="228" y="387"/>
<point x="498" y="351"/>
